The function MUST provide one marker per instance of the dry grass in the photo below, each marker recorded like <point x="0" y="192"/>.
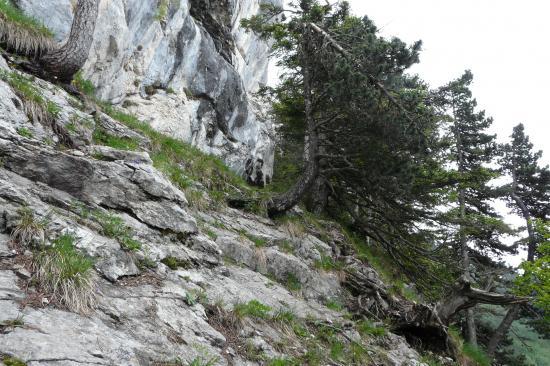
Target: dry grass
<point x="28" y="229"/>
<point x="21" y="34"/>
<point x="68" y="275"/>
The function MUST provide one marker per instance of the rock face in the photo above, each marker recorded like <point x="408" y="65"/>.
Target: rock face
<point x="186" y="67"/>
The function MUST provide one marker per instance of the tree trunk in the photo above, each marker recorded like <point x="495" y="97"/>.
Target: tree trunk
<point x="471" y="335"/>
<point x="502" y="330"/>
<point x="284" y="202"/>
<point x="63" y="63"/>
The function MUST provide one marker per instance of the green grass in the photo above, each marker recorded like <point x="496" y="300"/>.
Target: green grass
<point x="366" y="328"/>
<point x="84" y="85"/>
<point x="174" y="263"/>
<point x="259" y="242"/>
<point x="101" y="137"/>
<point x="252" y="309"/>
<point x="327" y="263"/>
<point x="35" y="105"/>
<point x="114" y="227"/>
<point x="12" y="14"/>
<point x="334" y="304"/>
<point x="67" y="273"/>
<point x="12" y="361"/>
<point x="476" y="354"/>
<point x="292" y="283"/>
<point x="25" y="132"/>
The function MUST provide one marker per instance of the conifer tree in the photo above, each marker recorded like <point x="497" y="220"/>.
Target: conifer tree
<point x="471" y="151"/>
<point x="528" y="195"/>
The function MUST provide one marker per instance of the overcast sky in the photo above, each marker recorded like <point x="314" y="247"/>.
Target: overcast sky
<point x="506" y="44"/>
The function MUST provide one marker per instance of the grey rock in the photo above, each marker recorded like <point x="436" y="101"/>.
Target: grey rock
<point x="190" y="74"/>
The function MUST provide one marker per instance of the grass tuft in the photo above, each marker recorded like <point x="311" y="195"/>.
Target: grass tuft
<point x="67" y="274"/>
<point x="28" y="228"/>
<point x="21" y="33"/>
<point x="12" y="361"/>
<point x="36" y="107"/>
<point x="251" y="309"/>
<point x="114" y="227"/>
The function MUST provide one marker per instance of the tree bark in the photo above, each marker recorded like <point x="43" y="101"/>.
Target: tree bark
<point x="64" y="62"/>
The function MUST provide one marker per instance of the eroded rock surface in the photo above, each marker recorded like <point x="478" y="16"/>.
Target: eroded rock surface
<point x="186" y="67"/>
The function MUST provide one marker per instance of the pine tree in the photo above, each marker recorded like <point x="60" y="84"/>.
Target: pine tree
<point x="529" y="196"/>
<point x="471" y="152"/>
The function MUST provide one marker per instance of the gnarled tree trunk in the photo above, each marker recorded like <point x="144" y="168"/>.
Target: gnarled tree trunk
<point x="64" y="62"/>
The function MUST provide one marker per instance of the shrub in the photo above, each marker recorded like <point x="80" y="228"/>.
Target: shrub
<point x="28" y="228"/>
<point x="67" y="274"/>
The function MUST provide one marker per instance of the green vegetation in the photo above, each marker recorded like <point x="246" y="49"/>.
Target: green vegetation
<point x="101" y="137"/>
<point x="84" y="85"/>
<point x="114" y="227"/>
<point x="251" y="309"/>
<point x="12" y="361"/>
<point x="334" y="304"/>
<point x="29" y="228"/>
<point x="200" y="361"/>
<point x="25" y="132"/>
<point x="67" y="274"/>
<point x="35" y="105"/>
<point x="476" y="354"/>
<point x="174" y="263"/>
<point x="327" y="263"/>
<point x="10" y="13"/>
<point x="366" y="328"/>
<point x="292" y="283"/>
<point x="258" y="241"/>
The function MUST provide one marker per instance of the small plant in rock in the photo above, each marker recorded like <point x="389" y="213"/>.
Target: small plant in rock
<point x="292" y="283"/>
<point x="29" y="228"/>
<point x="68" y="274"/>
<point x="367" y="328"/>
<point x="174" y="263"/>
<point x="12" y="361"/>
<point x="101" y="137"/>
<point x="114" y="227"/>
<point x="334" y="304"/>
<point x="9" y="324"/>
<point x="25" y="132"/>
<point x="251" y="309"/>
<point x="84" y="85"/>
<point x="35" y="105"/>
<point x="201" y="361"/>
<point x="327" y="263"/>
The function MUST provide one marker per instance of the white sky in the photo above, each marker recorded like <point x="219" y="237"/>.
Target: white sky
<point x="506" y="44"/>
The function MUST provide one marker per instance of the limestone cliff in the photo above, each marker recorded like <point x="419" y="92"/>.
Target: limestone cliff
<point x="186" y="67"/>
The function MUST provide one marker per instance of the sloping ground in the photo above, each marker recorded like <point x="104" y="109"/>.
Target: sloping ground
<point x="173" y="285"/>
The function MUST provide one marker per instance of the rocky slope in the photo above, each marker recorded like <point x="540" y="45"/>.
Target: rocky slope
<point x="174" y="283"/>
<point x="186" y="66"/>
